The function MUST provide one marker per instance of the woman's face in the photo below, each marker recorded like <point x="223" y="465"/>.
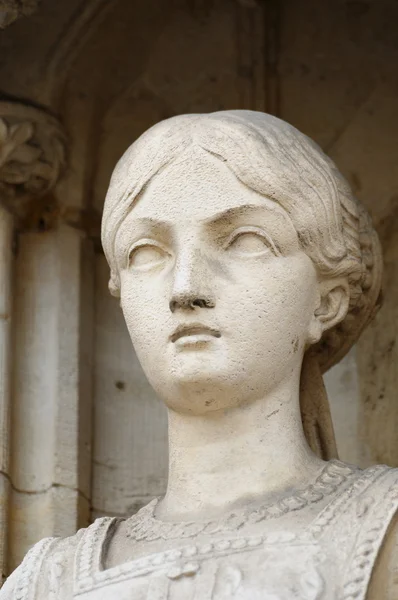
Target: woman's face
<point x="217" y="295"/>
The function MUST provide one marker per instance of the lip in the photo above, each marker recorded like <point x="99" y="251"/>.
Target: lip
<point x="194" y="329"/>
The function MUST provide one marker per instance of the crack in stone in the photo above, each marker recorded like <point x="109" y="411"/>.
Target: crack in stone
<point x="40" y="492"/>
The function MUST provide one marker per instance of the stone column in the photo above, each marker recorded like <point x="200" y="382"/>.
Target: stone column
<point x="6" y="237"/>
<point x="32" y="156"/>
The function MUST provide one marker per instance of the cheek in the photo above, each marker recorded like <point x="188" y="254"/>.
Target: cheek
<point x="277" y="310"/>
<point x="145" y="312"/>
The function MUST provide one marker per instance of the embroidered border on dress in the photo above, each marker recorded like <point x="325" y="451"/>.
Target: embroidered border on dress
<point x="332" y="510"/>
<point x="145" y="526"/>
<point x="89" y="550"/>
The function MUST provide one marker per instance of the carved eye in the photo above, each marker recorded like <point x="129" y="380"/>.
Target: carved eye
<point x="252" y="243"/>
<point x="146" y="256"/>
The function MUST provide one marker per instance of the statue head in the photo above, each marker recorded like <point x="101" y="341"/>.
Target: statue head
<point x="235" y="245"/>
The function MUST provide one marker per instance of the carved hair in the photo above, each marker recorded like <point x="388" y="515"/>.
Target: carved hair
<point x="276" y="160"/>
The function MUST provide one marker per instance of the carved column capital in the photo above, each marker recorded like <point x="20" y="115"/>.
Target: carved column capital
<point x="32" y="156"/>
<point x="11" y="10"/>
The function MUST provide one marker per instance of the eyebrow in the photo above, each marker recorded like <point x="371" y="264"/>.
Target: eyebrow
<point x="142" y="223"/>
<point x="229" y="213"/>
<point x="152" y="222"/>
<point x="235" y="211"/>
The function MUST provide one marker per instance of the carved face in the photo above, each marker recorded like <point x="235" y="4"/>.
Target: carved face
<point x="218" y="297"/>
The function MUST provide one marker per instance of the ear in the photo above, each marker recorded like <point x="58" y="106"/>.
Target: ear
<point x="332" y="307"/>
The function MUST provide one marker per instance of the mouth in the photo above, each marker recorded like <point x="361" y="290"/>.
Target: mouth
<point x="198" y="332"/>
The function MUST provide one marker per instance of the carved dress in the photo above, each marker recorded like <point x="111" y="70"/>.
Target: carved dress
<point x="319" y="543"/>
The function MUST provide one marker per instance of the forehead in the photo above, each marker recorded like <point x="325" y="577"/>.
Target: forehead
<point x="195" y="187"/>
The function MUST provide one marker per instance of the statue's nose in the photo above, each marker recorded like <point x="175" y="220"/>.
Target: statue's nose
<point x="192" y="283"/>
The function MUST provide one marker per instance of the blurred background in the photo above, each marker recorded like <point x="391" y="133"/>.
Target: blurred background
<point x="81" y="432"/>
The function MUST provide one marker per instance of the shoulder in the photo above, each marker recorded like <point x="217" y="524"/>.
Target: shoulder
<point x="45" y="565"/>
<point x="377" y="484"/>
<point x="47" y="571"/>
<point x="384" y="580"/>
<point x="381" y="492"/>
<point x="376" y="551"/>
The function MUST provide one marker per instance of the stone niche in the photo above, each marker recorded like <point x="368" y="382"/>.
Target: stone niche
<point x="83" y="434"/>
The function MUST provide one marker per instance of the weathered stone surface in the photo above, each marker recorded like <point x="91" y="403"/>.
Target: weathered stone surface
<point x="330" y="70"/>
<point x="129" y="468"/>
<point x="244" y="266"/>
<point x="32" y="158"/>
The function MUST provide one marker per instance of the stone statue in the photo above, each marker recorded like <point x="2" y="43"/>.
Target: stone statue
<point x="245" y="269"/>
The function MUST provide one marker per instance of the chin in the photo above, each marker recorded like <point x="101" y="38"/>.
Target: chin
<point x="198" y="404"/>
<point x="200" y="393"/>
<point x="201" y="383"/>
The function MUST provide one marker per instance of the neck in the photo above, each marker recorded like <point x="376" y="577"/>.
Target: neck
<point x="227" y="458"/>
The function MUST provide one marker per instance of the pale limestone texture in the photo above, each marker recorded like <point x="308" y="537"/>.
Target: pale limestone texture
<point x="110" y="70"/>
<point x="245" y="266"/>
